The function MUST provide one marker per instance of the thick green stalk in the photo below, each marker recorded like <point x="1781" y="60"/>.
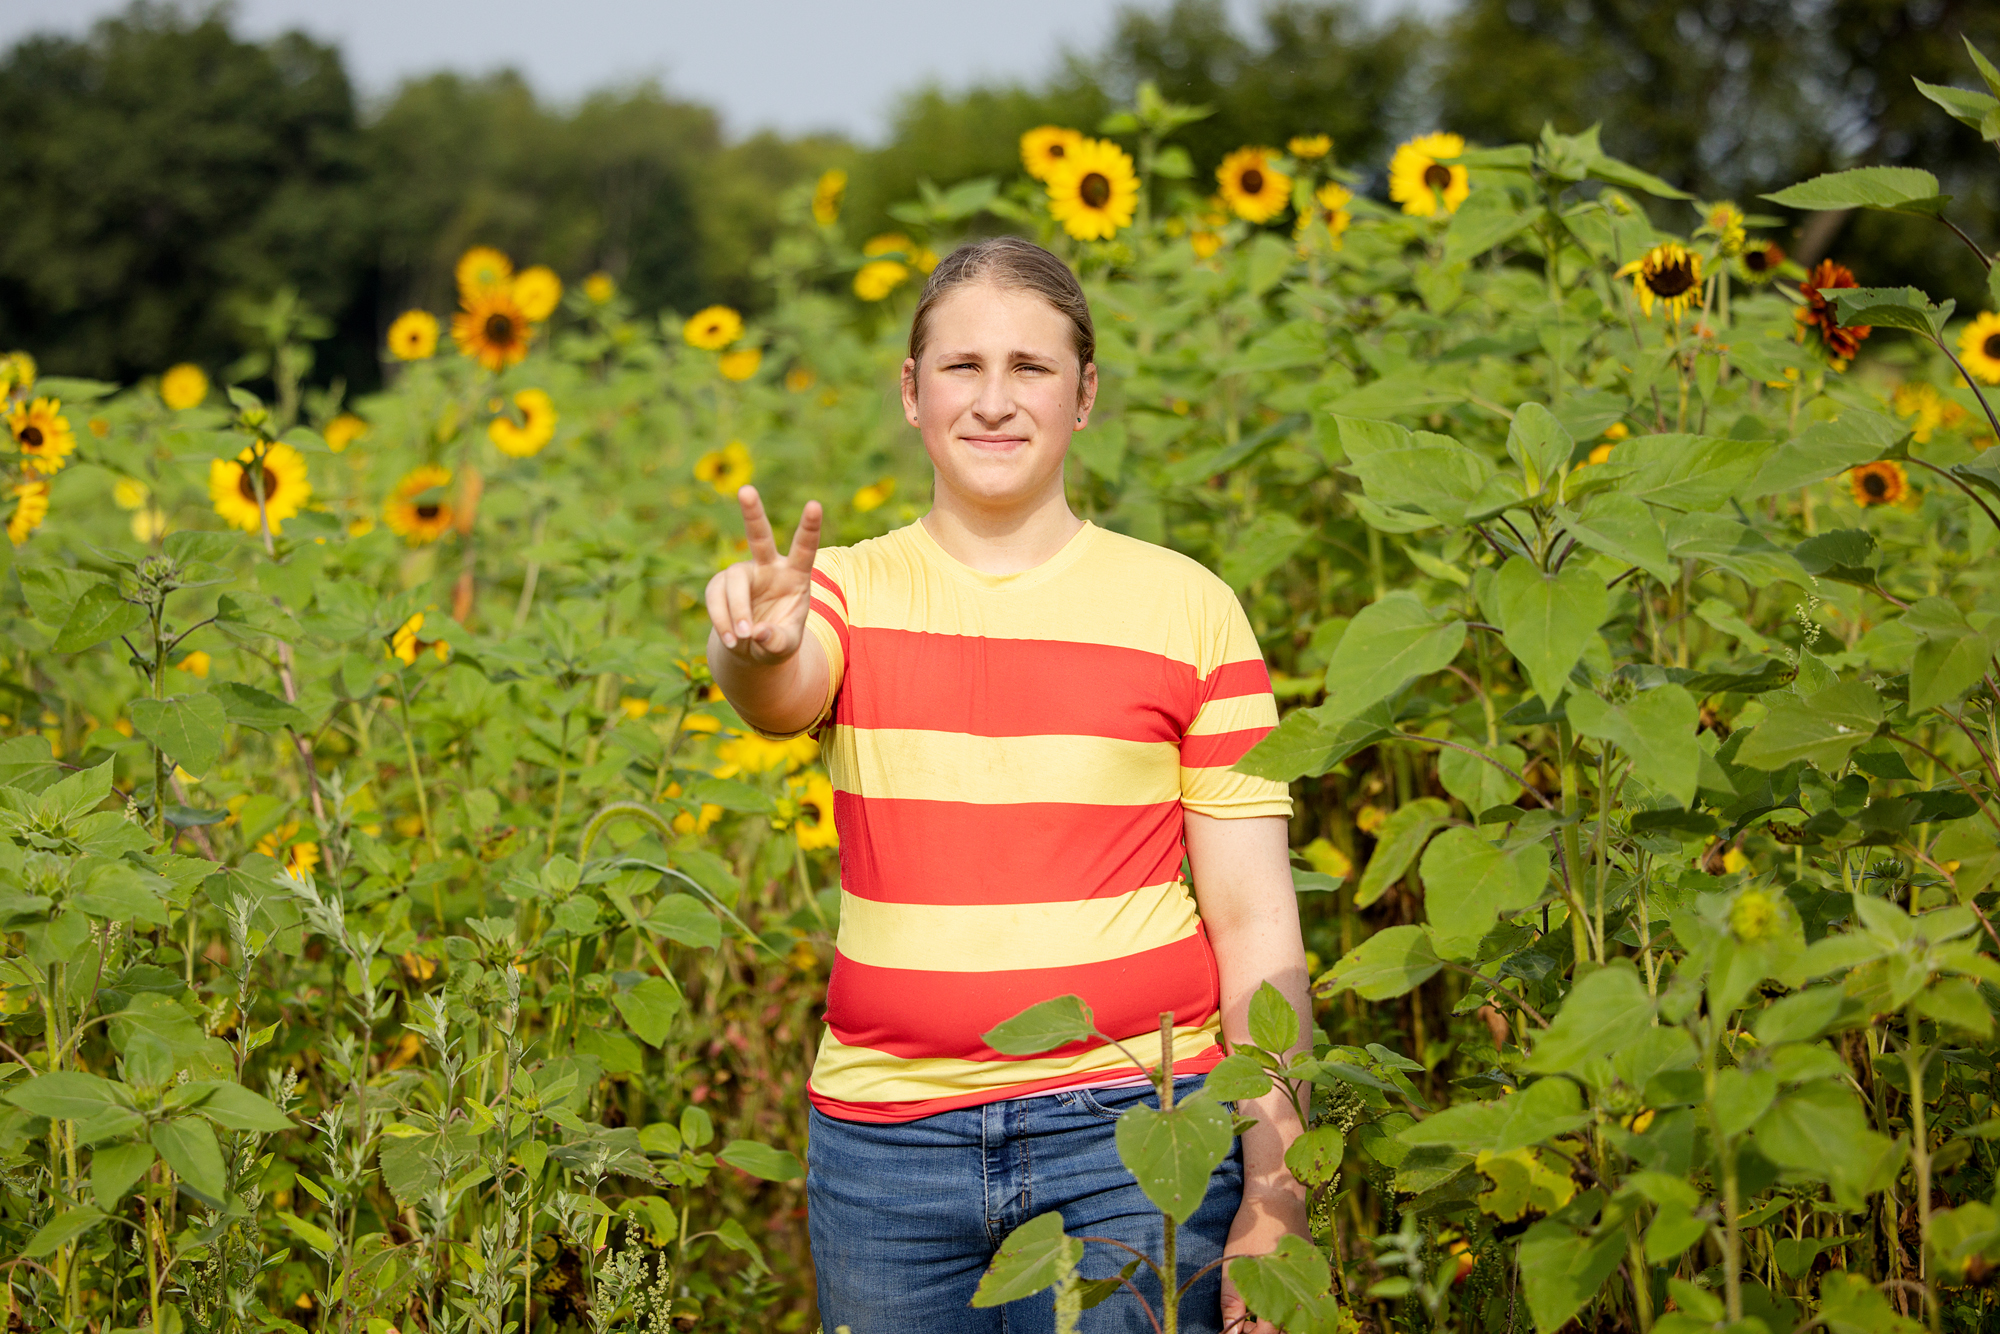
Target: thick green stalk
<point x="1572" y="847"/>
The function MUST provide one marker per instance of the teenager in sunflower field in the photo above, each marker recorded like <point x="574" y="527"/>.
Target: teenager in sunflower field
<point x="1028" y="720"/>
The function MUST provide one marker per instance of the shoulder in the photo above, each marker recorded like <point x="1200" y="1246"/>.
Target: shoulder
<point x="1160" y="568"/>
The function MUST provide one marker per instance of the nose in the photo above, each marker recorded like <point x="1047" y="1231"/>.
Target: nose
<point x="995" y="402"/>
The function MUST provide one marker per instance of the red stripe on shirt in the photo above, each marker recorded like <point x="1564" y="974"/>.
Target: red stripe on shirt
<point x="900" y="850"/>
<point x="1231" y="679"/>
<point x="1014" y="687"/>
<point x="833" y="588"/>
<point x="1219" y="750"/>
<point x="835" y="620"/>
<point x="891" y="1113"/>
<point x="914" y="1013"/>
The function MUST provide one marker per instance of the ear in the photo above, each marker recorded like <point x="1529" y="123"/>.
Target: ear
<point x="1086" y="395"/>
<point x="910" y="390"/>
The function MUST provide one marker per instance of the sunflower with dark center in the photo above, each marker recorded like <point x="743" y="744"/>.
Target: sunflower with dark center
<point x="1094" y="191"/>
<point x="492" y="329"/>
<point x="420" y="518"/>
<point x="1669" y="273"/>
<point x="1760" y="261"/>
<point x="1820" y="313"/>
<point x="1047" y="147"/>
<point x="1255" y="190"/>
<point x="1880" y="483"/>
<point x="42" y="434"/>
<point x="233" y="485"/>
<point x="1979" y="348"/>
<point x="1422" y="183"/>
<point x="713" y="329"/>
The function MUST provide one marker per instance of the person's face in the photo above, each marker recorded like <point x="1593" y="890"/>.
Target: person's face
<point x="997" y="394"/>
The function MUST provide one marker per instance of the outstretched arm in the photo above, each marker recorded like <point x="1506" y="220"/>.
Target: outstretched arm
<point x="773" y="673"/>
<point x="1243" y="886"/>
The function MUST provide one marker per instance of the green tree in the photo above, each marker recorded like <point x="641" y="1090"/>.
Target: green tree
<point x="159" y="170"/>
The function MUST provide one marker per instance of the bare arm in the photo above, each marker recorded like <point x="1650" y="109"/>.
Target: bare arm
<point x="773" y="672"/>
<point x="1243" y="886"/>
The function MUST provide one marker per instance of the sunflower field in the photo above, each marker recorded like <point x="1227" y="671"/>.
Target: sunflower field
<point x="402" y="934"/>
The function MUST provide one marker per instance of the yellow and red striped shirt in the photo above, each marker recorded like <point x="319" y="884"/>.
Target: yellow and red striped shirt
<point x="1011" y="756"/>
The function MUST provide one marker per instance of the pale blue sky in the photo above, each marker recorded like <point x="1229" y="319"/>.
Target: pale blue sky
<point x="793" y="65"/>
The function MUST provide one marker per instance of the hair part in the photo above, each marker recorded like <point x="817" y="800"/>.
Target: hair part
<point x="1016" y="265"/>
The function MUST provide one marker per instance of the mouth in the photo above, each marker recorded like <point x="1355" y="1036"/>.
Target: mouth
<point x="994" y="441"/>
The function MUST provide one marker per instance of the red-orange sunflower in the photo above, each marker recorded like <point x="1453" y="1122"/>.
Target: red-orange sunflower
<point x="1820" y="313"/>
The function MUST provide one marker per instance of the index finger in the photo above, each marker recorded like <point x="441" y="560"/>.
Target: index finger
<point x="805" y="541"/>
<point x="756" y="527"/>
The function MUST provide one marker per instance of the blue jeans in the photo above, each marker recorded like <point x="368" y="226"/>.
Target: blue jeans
<point x="906" y="1217"/>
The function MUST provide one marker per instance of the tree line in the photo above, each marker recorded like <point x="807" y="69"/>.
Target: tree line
<point x="162" y="175"/>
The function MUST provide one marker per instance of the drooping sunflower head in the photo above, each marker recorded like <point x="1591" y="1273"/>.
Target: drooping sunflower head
<point x="1669" y="273"/>
<point x="483" y="269"/>
<point x="537" y="291"/>
<point x="740" y="364"/>
<point x="1880" y="483"/>
<point x="184" y="386"/>
<point x="492" y="329"/>
<point x="713" y="329"/>
<point x="728" y="469"/>
<point x="42" y="435"/>
<point x="827" y="191"/>
<point x="414" y="335"/>
<point x="1819" y="312"/>
<point x="1047" y="147"/>
<point x="233" y="486"/>
<point x="1310" y="146"/>
<point x="31" y="506"/>
<point x="1422" y="183"/>
<point x="1723" y="221"/>
<point x="1979" y="347"/>
<point x="1760" y="261"/>
<point x="534" y="429"/>
<point x="17" y="374"/>
<point x="1254" y="190"/>
<point x="1094" y="191"/>
<point x="343" y="431"/>
<point x="877" y="278"/>
<point x="417" y="510"/>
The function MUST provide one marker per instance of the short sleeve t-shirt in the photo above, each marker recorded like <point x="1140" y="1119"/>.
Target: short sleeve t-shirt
<point x="1011" y="756"/>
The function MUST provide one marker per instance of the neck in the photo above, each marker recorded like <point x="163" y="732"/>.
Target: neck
<point x="1002" y="539"/>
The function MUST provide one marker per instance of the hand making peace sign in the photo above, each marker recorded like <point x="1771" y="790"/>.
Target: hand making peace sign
<point x="758" y="606"/>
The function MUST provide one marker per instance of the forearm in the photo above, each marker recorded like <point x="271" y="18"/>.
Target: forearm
<point x="1247" y="956"/>
<point x="779" y="697"/>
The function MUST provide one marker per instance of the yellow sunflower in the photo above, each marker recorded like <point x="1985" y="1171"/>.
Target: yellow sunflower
<point x="232" y="487"/>
<point x="816" y="801"/>
<point x="1310" y="146"/>
<point x="1252" y="187"/>
<point x="537" y="292"/>
<point x="832" y="184"/>
<point x="1047" y="147"/>
<point x="1669" y="273"/>
<point x="493" y="329"/>
<point x="184" y="386"/>
<point x="481" y="270"/>
<point x="1094" y="190"/>
<point x="419" y="519"/>
<point x="1927" y="409"/>
<point x="740" y="364"/>
<point x="17" y="372"/>
<point x="129" y="493"/>
<point x="535" y="429"/>
<point x="879" y="277"/>
<point x="727" y="469"/>
<point x="1334" y="198"/>
<point x="414" y="335"/>
<point x="196" y="663"/>
<point x="1760" y="261"/>
<point x="42" y="434"/>
<point x="874" y="495"/>
<point x="1421" y="183"/>
<point x="1724" y="221"/>
<point x="599" y="287"/>
<point x="713" y="329"/>
<point x="343" y="431"/>
<point x="300" y="857"/>
<point x="31" y="506"/>
<point x="1880" y="483"/>
<point x="1979" y="347"/>
<point x="404" y="646"/>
